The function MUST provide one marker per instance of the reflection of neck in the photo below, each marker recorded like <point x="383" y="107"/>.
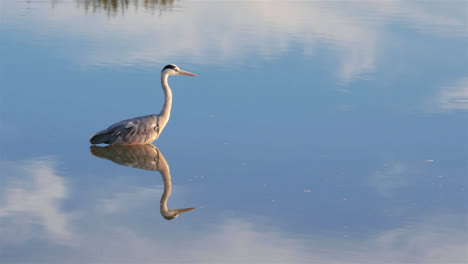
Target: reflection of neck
<point x="166" y="176"/>
<point x="163" y="168"/>
<point x="166" y="109"/>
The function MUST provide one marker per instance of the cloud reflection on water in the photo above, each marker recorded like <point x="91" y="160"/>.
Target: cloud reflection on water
<point x="389" y="178"/>
<point x="230" y="32"/>
<point x="455" y="96"/>
<point x="31" y="195"/>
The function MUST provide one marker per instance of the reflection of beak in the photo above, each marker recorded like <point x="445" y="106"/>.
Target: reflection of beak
<point x="172" y="214"/>
<point x="181" y="72"/>
<point x="181" y="211"/>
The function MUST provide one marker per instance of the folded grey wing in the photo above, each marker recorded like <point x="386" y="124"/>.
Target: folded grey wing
<point x="139" y="130"/>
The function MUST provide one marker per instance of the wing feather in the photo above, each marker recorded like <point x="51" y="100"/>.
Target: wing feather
<point x="139" y="130"/>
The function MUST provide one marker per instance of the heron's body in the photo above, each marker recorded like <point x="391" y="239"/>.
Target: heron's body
<point x="134" y="131"/>
<point x="144" y="129"/>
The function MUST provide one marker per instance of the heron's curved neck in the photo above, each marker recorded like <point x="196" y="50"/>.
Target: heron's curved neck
<point x="166" y="109"/>
<point x="166" y="176"/>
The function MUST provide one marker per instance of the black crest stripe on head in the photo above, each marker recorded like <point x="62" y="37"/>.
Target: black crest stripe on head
<point x="169" y="66"/>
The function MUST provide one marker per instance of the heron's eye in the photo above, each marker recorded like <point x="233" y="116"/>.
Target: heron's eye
<point x="177" y="69"/>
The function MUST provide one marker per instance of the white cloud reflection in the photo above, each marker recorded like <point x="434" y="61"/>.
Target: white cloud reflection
<point x="224" y="32"/>
<point x="124" y="201"/>
<point x="450" y="97"/>
<point x="391" y="177"/>
<point x="455" y="96"/>
<point x="30" y="198"/>
<point x="432" y="240"/>
<point x="30" y="195"/>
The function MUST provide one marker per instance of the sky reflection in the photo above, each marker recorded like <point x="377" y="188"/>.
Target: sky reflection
<point x="435" y="239"/>
<point x="31" y="194"/>
<point x="234" y="31"/>
<point x="454" y="97"/>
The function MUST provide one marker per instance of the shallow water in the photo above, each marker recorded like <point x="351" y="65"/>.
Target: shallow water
<point x="315" y="132"/>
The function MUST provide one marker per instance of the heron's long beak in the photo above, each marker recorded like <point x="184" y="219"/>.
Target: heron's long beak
<point x="181" y="72"/>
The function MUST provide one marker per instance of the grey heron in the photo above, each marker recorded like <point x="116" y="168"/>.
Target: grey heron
<point x="144" y="129"/>
<point x="146" y="157"/>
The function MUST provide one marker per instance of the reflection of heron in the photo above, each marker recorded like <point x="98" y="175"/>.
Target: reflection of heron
<point x="146" y="157"/>
<point x="143" y="129"/>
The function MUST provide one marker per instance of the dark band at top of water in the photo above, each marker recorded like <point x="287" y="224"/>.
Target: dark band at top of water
<point x="115" y="7"/>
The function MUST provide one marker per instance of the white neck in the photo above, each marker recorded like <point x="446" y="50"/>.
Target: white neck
<point x="166" y="109"/>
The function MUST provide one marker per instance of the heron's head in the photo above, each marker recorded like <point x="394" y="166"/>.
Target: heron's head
<point x="172" y="69"/>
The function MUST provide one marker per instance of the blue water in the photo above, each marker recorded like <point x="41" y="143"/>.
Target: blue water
<point x="315" y="132"/>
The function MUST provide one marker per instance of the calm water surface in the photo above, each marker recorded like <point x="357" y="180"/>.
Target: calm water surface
<point x="315" y="132"/>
